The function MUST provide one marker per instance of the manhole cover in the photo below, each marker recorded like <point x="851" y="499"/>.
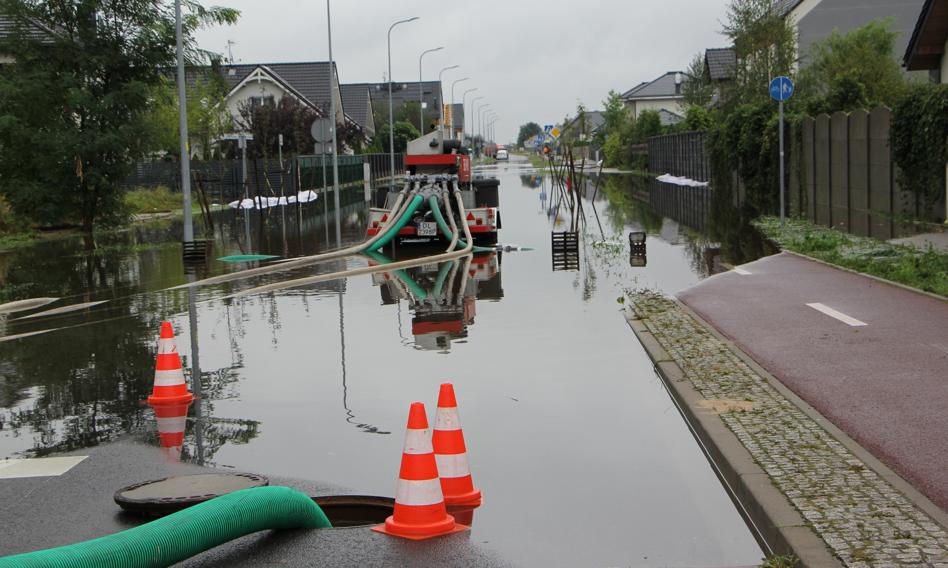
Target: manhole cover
<point x="355" y="510"/>
<point x="172" y="494"/>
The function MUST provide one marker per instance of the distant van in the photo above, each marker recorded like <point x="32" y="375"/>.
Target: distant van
<point x="502" y="155"/>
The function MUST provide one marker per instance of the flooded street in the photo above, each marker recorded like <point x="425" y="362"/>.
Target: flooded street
<point x="581" y="455"/>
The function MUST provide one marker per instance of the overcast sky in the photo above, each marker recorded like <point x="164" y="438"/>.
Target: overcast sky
<point x="530" y="60"/>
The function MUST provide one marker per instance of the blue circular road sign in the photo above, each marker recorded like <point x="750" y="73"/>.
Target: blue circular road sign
<point x="781" y="89"/>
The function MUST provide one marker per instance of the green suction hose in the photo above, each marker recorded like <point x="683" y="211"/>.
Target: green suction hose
<point x="400" y="224"/>
<point x="186" y="533"/>
<point x="416" y="289"/>
<point x="442" y="276"/>
<point x="445" y="229"/>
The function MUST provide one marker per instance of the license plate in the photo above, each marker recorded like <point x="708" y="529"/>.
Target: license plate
<point x="426" y="229"/>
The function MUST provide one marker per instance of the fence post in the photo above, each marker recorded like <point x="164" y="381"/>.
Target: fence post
<point x="367" y="180"/>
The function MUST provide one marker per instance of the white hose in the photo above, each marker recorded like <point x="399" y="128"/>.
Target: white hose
<point x="401" y="204"/>
<point x="296" y="283"/>
<point x="454" y="227"/>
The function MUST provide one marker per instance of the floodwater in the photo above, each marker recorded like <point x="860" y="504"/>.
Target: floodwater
<point x="581" y="455"/>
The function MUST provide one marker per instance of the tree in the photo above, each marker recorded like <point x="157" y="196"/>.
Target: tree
<point x="404" y="132"/>
<point x="208" y="116"/>
<point x="697" y="90"/>
<point x="75" y="106"/>
<point x="853" y="70"/>
<point x="764" y="43"/>
<point x="614" y="115"/>
<point x="648" y="124"/>
<point x="268" y="121"/>
<point x="527" y="131"/>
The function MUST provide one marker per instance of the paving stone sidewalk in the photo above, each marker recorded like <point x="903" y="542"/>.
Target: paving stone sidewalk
<point x="861" y="517"/>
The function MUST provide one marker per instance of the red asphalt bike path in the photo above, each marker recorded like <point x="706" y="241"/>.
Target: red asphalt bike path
<point x="885" y="384"/>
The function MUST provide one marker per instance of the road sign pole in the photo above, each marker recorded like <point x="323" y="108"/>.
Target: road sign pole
<point x="781" y="89"/>
<point x="782" y="189"/>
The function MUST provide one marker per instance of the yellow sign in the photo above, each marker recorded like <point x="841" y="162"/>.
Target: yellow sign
<point x="555" y="133"/>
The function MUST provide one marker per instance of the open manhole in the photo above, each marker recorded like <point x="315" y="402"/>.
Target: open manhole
<point x="172" y="494"/>
<point x="355" y="510"/>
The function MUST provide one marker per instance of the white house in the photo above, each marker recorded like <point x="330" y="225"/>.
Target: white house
<point x="310" y="83"/>
<point x="814" y="20"/>
<point x="928" y="47"/>
<point x="662" y="94"/>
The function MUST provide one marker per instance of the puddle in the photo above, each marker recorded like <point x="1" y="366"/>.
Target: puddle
<point x="561" y="410"/>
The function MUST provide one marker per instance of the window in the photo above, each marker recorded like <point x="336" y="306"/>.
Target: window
<point x="263" y="101"/>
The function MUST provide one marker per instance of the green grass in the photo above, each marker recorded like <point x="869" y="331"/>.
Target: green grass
<point x="780" y="561"/>
<point x="923" y="269"/>
<point x="538" y="162"/>
<point x="158" y="200"/>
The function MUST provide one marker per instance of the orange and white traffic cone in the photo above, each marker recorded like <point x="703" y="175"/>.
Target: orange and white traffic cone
<point x="172" y="419"/>
<point x="451" y="453"/>
<point x="170" y="387"/>
<point x="420" y="512"/>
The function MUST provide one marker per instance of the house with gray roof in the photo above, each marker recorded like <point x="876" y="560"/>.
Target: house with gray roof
<point x="927" y="48"/>
<point x="814" y="20"/>
<point x="720" y="63"/>
<point x="358" y="104"/>
<point x="309" y="83"/>
<point x="402" y="93"/>
<point x="664" y="93"/>
<point x="31" y="29"/>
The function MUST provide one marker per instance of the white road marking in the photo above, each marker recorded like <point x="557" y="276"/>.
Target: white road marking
<point x="38" y="467"/>
<point x="850" y="321"/>
<point x="742" y="272"/>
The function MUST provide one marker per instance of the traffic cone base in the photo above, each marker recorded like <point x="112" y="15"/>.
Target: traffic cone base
<point x="422" y="531"/>
<point x="420" y="511"/>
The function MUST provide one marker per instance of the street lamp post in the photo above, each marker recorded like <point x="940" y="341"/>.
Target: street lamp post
<point x="464" y="109"/>
<point x="335" y="145"/>
<point x="183" y="127"/>
<point x="451" y="132"/>
<point x="391" y="113"/>
<point x="480" y="124"/>
<point x="441" y="102"/>
<point x="487" y="117"/>
<point x="473" y="123"/>
<point x="421" y="90"/>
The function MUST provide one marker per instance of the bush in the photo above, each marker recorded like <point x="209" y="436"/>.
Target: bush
<point x="918" y="136"/>
<point x="157" y="200"/>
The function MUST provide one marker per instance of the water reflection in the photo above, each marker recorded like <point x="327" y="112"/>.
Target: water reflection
<point x="81" y="385"/>
<point x="716" y="235"/>
<point x="442" y="297"/>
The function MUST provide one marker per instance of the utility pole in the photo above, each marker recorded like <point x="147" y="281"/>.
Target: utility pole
<point x="332" y="118"/>
<point x="183" y="127"/>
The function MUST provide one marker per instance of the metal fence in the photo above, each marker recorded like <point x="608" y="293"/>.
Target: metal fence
<point x="223" y="180"/>
<point x="683" y="155"/>
<point x="690" y="206"/>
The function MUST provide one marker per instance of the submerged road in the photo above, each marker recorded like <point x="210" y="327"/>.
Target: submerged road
<point x="871" y="357"/>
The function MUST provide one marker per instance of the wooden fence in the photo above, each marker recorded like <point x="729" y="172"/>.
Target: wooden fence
<point x="840" y="173"/>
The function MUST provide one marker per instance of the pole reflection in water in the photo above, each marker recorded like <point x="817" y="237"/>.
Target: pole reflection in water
<point x="196" y="385"/>
<point x="350" y="416"/>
